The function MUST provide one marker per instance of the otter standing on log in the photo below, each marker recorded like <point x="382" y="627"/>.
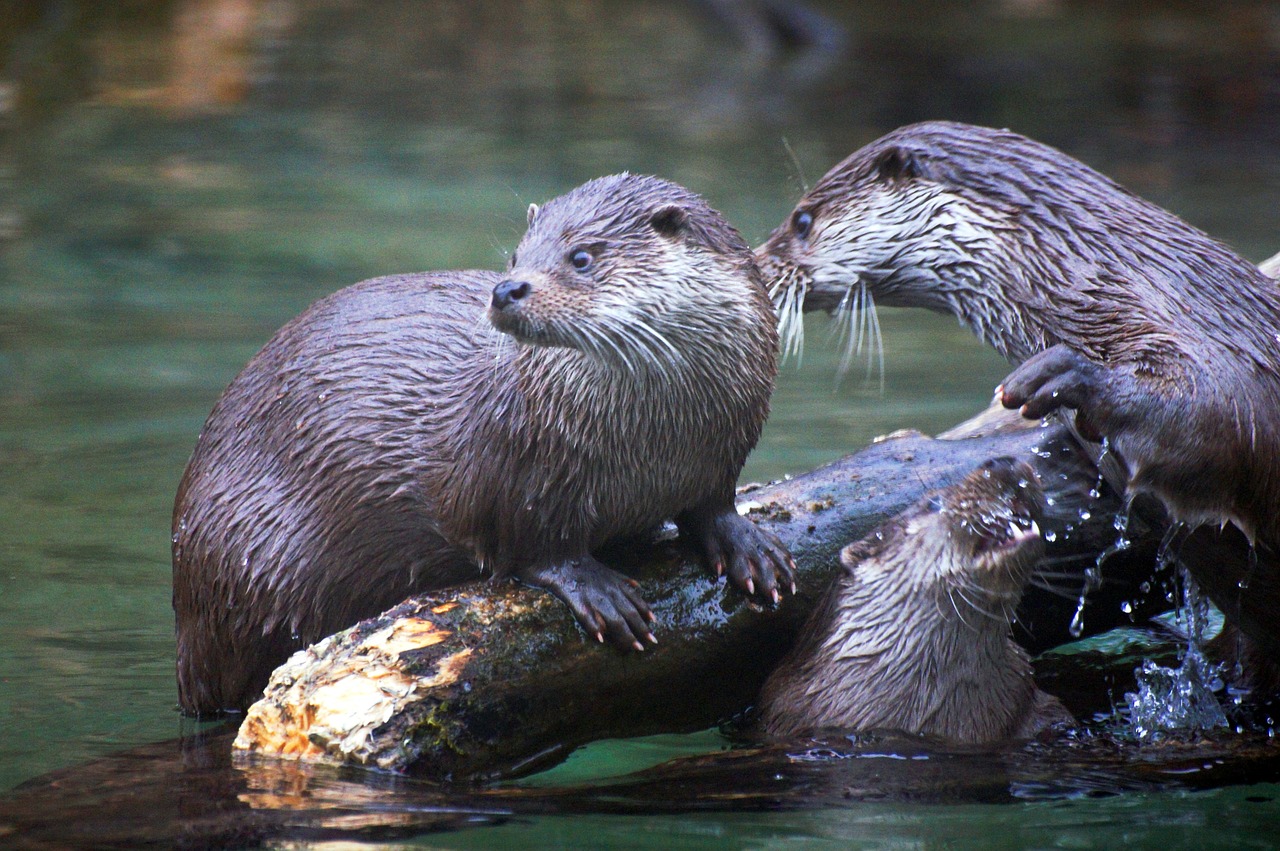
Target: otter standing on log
<point x="390" y="440"/>
<point x="1163" y="340"/>
<point x="914" y="635"/>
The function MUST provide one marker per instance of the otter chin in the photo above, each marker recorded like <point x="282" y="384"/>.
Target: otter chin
<point x="1161" y="339"/>
<point x="390" y="440"/>
<point x="914" y="634"/>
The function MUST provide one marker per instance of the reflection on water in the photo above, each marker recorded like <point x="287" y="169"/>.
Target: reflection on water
<point x="179" y="178"/>
<point x="192" y="792"/>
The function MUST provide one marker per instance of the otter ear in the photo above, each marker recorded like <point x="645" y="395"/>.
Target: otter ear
<point x="670" y="220"/>
<point x="899" y="164"/>
<point x="533" y="211"/>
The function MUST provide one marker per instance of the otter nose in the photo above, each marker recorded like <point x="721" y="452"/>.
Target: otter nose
<point x="509" y="292"/>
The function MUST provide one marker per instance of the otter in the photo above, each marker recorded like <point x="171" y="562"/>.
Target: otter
<point x="913" y="634"/>
<point x="1161" y="339"/>
<point x="413" y="432"/>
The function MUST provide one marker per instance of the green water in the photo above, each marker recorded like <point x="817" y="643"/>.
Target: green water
<point x="178" y="179"/>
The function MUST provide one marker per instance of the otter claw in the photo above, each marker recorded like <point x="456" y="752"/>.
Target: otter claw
<point x="753" y="559"/>
<point x="605" y="603"/>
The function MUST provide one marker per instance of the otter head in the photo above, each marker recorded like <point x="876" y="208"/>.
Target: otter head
<point x="633" y="271"/>
<point x="917" y="218"/>
<point x="976" y="542"/>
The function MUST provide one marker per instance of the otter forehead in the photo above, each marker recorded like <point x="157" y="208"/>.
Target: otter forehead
<point x="617" y="210"/>
<point x="1005" y="169"/>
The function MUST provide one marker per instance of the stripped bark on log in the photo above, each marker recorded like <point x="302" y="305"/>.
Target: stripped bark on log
<point x="496" y="680"/>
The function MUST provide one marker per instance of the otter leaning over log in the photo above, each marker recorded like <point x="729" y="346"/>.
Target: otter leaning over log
<point x="914" y="634"/>
<point x="390" y="440"/>
<point x="1163" y="340"/>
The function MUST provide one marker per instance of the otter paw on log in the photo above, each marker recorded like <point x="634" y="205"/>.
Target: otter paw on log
<point x="754" y="560"/>
<point x="606" y="603"/>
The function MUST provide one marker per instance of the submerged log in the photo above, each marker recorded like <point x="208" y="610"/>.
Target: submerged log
<point x="497" y="680"/>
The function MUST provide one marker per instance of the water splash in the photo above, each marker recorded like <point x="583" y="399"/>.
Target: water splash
<point x="1179" y="699"/>
<point x="1093" y="575"/>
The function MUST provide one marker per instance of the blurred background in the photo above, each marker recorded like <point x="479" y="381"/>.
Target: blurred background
<point x="177" y="179"/>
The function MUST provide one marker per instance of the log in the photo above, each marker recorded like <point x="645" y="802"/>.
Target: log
<point x="496" y="680"/>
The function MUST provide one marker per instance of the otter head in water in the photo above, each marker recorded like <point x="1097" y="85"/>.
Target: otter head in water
<point x="913" y="635"/>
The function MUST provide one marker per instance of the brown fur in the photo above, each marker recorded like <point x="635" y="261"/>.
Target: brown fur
<point x="914" y="634"/>
<point x="390" y="440"/>
<point x="1164" y="340"/>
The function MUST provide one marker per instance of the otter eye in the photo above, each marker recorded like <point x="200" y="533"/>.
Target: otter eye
<point x="802" y="223"/>
<point x="581" y="259"/>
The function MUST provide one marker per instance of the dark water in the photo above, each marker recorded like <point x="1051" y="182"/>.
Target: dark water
<point x="179" y="178"/>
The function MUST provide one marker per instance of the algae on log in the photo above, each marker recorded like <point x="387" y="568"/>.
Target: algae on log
<point x="494" y="680"/>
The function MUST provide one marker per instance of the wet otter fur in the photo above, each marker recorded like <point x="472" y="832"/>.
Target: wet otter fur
<point x="392" y="440"/>
<point x="1162" y="340"/>
<point x="913" y="634"/>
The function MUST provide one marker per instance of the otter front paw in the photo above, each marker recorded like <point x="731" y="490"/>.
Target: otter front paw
<point x="1058" y="377"/>
<point x="753" y="559"/>
<point x="605" y="602"/>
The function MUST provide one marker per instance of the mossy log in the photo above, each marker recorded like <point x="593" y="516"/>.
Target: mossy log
<point x="495" y="680"/>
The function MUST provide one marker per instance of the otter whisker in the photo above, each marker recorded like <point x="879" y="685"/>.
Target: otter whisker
<point x="972" y="604"/>
<point x="627" y="335"/>
<point x="956" y="608"/>
<point x="622" y="341"/>
<point x="788" y="294"/>
<point x="594" y="341"/>
<point x="1048" y="587"/>
<point x="877" y="339"/>
<point x="858" y="325"/>
<point x="672" y="353"/>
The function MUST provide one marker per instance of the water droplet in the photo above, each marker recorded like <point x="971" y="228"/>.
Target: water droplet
<point x="1077" y="622"/>
<point x="1050" y="536"/>
<point x="1126" y="607"/>
<point x="1085" y="514"/>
